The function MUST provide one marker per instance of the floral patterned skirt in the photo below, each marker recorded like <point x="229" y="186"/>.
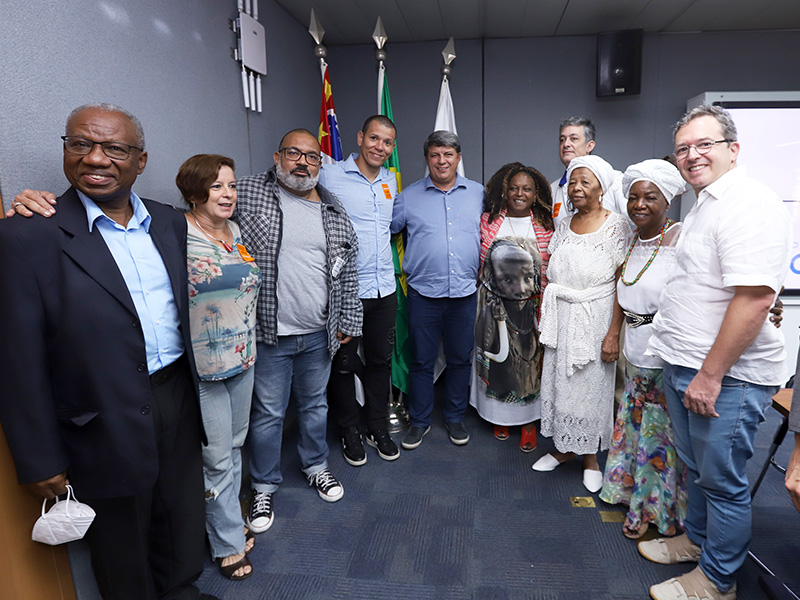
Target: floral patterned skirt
<point x="643" y="469"/>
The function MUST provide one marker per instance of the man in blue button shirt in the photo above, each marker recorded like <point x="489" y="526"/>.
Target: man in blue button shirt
<point x="367" y="191"/>
<point x="99" y="388"/>
<point x="441" y="215"/>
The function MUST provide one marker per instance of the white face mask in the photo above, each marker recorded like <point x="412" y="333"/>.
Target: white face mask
<point x="67" y="521"/>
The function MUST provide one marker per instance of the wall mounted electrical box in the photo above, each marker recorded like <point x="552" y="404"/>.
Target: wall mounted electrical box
<point x="252" y="44"/>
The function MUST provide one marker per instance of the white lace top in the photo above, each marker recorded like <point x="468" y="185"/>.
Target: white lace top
<point x="582" y="269"/>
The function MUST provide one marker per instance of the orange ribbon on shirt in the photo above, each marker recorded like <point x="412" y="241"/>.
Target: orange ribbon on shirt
<point x="244" y="253"/>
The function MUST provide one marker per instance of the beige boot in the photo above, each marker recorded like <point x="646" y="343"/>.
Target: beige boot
<point x="669" y="551"/>
<point x="695" y="585"/>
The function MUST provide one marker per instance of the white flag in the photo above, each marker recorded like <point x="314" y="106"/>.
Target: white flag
<point x="446" y="116"/>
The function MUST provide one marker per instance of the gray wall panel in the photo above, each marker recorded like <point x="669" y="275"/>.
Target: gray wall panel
<point x="167" y="62"/>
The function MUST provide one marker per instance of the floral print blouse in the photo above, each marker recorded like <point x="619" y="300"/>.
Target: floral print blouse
<point x="223" y="289"/>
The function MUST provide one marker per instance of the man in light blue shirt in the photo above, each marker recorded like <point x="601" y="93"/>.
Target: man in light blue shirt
<point x="367" y="191"/>
<point x="441" y="215"/>
<point x="100" y="351"/>
<point x="142" y="268"/>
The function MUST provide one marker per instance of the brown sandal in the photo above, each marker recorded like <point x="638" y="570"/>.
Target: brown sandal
<point x="249" y="535"/>
<point x="230" y="570"/>
<point x="635" y="534"/>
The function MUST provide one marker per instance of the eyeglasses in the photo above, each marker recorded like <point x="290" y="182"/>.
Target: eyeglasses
<point x="682" y="152"/>
<point x="293" y="154"/>
<point x="84" y="146"/>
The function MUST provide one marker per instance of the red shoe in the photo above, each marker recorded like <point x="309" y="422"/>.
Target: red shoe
<point x="501" y="432"/>
<point x="527" y="441"/>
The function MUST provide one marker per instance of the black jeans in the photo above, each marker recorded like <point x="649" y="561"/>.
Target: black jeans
<point x="374" y="370"/>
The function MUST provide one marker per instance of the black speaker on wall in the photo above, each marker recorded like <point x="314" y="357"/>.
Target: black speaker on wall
<point x="619" y="62"/>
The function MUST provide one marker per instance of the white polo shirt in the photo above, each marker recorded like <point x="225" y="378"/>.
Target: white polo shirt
<point x="560" y="207"/>
<point x="737" y="234"/>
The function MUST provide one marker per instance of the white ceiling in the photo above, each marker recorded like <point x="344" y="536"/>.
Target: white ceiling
<point x="353" y="21"/>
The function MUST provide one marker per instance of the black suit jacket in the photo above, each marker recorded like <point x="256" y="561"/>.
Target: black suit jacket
<point x="75" y="394"/>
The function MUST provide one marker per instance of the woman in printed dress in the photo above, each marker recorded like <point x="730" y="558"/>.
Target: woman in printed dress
<point x="643" y="469"/>
<point x="515" y="231"/>
<point x="223" y="288"/>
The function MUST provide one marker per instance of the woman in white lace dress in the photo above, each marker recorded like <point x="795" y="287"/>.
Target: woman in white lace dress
<point x="579" y="326"/>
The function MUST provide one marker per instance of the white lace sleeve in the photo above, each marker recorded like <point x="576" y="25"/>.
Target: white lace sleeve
<point x="620" y="235"/>
<point x="558" y="235"/>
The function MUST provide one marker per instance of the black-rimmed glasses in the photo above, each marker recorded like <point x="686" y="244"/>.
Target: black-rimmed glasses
<point x="293" y="154"/>
<point x="83" y="146"/>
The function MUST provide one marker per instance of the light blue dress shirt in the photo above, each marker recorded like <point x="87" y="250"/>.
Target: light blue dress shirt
<point x="369" y="206"/>
<point x="443" y="246"/>
<point x="146" y="277"/>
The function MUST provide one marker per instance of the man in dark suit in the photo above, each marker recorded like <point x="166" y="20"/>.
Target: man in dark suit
<point x="98" y="386"/>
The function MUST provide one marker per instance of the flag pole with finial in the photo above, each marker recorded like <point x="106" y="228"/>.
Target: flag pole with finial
<point x="401" y="353"/>
<point x="379" y="35"/>
<point x="329" y="140"/>
<point x="445" y="114"/>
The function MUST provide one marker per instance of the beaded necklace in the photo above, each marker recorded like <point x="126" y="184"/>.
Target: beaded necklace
<point x="652" y="257"/>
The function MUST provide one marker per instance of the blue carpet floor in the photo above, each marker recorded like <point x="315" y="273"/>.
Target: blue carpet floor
<point x="475" y="522"/>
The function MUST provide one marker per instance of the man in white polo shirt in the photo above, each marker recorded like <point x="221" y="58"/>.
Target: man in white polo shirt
<point x="575" y="138"/>
<point x="724" y="359"/>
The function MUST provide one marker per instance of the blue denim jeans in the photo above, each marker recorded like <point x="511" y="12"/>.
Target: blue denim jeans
<point x="225" y="407"/>
<point x="716" y="450"/>
<point x="298" y="365"/>
<point x="431" y="320"/>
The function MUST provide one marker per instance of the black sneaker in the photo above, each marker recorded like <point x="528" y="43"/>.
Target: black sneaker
<point x="352" y="448"/>
<point x="328" y="487"/>
<point x="384" y="444"/>
<point x="458" y="435"/>
<point x="413" y="437"/>
<point x="261" y="516"/>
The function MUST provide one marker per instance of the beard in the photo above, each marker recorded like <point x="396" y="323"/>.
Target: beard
<point x="295" y="182"/>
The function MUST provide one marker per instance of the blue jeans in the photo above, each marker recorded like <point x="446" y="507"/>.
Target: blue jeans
<point x="299" y="365"/>
<point x="716" y="451"/>
<point x="431" y="320"/>
<point x="225" y="406"/>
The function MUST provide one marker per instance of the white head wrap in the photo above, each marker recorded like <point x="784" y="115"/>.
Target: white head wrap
<point x="661" y="172"/>
<point x="601" y="169"/>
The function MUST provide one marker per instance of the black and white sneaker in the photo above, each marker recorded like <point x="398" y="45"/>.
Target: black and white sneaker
<point x="352" y="448"/>
<point x="384" y="444"/>
<point x="328" y="487"/>
<point x="261" y="516"/>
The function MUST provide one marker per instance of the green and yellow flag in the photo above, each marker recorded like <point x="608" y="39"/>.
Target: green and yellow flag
<point x="401" y="355"/>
